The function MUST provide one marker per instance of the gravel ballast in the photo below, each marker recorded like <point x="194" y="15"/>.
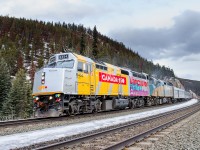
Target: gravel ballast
<point x="184" y="135"/>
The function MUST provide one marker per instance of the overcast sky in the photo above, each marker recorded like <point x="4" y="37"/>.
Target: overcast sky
<point x="165" y="31"/>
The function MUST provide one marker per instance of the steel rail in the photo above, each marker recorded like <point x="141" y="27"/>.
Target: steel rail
<point x="143" y="135"/>
<point x="107" y="131"/>
<point x="24" y="121"/>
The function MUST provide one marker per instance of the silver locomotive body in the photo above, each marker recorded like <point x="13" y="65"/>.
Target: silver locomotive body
<point x="52" y="82"/>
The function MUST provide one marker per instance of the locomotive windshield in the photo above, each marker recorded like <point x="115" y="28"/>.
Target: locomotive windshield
<point x="62" y="64"/>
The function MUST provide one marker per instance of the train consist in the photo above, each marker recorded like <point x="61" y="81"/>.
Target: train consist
<point x="74" y="84"/>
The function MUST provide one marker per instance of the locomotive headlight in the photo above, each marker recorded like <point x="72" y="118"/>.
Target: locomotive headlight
<point x="37" y="98"/>
<point x="43" y="78"/>
<point x="50" y="97"/>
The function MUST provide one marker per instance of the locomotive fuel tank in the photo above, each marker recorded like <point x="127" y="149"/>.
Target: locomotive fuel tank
<point x="120" y="103"/>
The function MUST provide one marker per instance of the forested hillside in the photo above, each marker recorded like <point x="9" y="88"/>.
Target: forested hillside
<point x="191" y="85"/>
<point x="29" y="43"/>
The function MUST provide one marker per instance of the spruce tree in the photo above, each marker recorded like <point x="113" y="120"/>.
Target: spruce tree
<point x="94" y="44"/>
<point x="82" y="44"/>
<point x="5" y="82"/>
<point x="19" y="100"/>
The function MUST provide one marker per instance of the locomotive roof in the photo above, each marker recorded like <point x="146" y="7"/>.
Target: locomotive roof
<point x="83" y="58"/>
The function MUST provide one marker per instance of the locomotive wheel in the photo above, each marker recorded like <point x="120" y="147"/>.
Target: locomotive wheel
<point x="94" y="110"/>
<point x="140" y="103"/>
<point x="132" y="104"/>
<point x="157" y="101"/>
<point x="70" y="111"/>
<point x="149" y="102"/>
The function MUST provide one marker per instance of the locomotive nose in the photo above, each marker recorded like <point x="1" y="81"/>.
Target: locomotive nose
<point x="48" y="80"/>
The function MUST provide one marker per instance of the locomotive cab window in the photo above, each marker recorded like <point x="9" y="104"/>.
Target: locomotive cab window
<point x="65" y="64"/>
<point x="62" y="64"/>
<point x="80" y="66"/>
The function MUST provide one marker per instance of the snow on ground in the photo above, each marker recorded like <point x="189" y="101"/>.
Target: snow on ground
<point x="28" y="138"/>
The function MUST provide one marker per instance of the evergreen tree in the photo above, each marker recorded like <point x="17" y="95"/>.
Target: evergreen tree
<point x="20" y="60"/>
<point x="40" y="62"/>
<point x="9" y="53"/>
<point x="5" y="82"/>
<point x="32" y="71"/>
<point x="82" y="44"/>
<point x="19" y="100"/>
<point x="95" y="42"/>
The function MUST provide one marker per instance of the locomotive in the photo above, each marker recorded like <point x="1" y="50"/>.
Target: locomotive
<point x="73" y="84"/>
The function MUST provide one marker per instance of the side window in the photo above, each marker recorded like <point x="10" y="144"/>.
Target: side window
<point x="97" y="66"/>
<point x="147" y="77"/>
<point x="139" y="76"/>
<point x="144" y="77"/>
<point x="134" y="74"/>
<point x="80" y="66"/>
<point x="85" y="68"/>
<point x="91" y="68"/>
<point x="151" y="81"/>
<point x="101" y="67"/>
<point x="124" y="72"/>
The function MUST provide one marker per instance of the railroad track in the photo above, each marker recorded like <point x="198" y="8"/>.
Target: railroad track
<point x="145" y="134"/>
<point x="39" y="120"/>
<point x="25" y="121"/>
<point x="88" y="141"/>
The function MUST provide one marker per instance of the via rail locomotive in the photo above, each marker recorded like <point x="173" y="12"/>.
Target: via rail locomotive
<point x="73" y="84"/>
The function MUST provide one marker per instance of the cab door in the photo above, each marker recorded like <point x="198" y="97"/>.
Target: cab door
<point x="92" y="79"/>
<point x="83" y="78"/>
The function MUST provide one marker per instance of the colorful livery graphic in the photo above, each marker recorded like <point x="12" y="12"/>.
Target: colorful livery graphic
<point x="73" y="84"/>
<point x="138" y="87"/>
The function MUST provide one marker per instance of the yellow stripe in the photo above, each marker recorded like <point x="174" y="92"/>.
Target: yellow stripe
<point x="80" y="57"/>
<point x="45" y="93"/>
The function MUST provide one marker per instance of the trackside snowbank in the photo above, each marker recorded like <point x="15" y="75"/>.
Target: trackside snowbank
<point x="29" y="138"/>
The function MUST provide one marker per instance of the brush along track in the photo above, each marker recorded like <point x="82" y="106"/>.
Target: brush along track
<point x="119" y="136"/>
